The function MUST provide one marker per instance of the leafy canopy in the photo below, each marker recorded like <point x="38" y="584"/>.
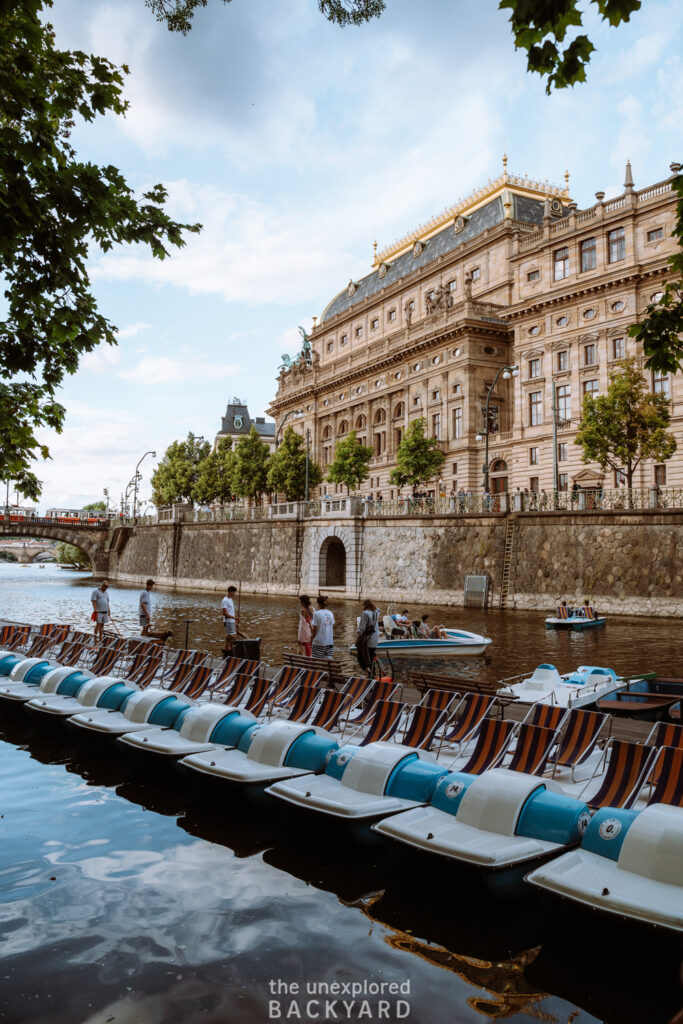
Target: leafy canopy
<point x="95" y="506"/>
<point x="287" y="471"/>
<point x="418" y="458"/>
<point x="175" y="478"/>
<point x="215" y="475"/>
<point x="69" y="554"/>
<point x="178" y="14"/>
<point x="627" y="424"/>
<point x="350" y="463"/>
<point x="55" y="208"/>
<point x="252" y="457"/>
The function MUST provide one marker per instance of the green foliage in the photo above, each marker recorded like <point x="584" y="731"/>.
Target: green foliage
<point x="287" y="472"/>
<point x="69" y="554"/>
<point x="54" y="209"/>
<point x="178" y="14"/>
<point x="252" y="457"/>
<point x="96" y="506"/>
<point x="627" y="424"/>
<point x="540" y="26"/>
<point x="215" y="475"/>
<point x="418" y="458"/>
<point x="350" y="463"/>
<point x="8" y="556"/>
<point x="176" y="476"/>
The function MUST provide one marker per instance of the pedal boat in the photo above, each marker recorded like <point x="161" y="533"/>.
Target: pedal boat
<point x="197" y="728"/>
<point x="629" y="867"/>
<point x="578" y="623"/>
<point x="363" y="784"/>
<point x="140" y="710"/>
<point x="33" y="676"/>
<point x="498" y="824"/>
<point x="580" y="689"/>
<point x="266" y="753"/>
<point x="458" y="642"/>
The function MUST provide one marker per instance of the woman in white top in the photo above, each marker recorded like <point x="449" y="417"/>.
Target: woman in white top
<point x="304" y="635"/>
<point x="322" y="630"/>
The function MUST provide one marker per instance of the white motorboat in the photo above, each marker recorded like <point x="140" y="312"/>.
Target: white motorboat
<point x="578" y="689"/>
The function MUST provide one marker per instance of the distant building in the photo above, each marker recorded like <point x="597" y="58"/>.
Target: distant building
<point x="237" y="423"/>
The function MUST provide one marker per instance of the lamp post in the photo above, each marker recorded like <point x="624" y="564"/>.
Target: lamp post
<point x="136" y="477"/>
<point x="292" y="412"/>
<point x="508" y="372"/>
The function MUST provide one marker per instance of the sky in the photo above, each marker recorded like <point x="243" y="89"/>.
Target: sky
<point x="297" y="144"/>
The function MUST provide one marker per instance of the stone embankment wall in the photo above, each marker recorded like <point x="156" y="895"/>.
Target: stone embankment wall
<point x="623" y="562"/>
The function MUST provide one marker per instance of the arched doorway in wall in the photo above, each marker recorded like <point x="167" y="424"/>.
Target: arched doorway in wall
<point x="332" y="563"/>
<point x="498" y="476"/>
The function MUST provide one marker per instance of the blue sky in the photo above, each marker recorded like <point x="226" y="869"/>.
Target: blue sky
<point x="296" y="144"/>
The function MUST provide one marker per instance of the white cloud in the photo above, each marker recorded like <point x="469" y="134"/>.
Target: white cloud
<point x="132" y="330"/>
<point x="153" y="371"/>
<point x="104" y="359"/>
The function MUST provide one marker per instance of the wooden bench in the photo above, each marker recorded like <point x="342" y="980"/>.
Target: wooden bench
<point x="424" y="681"/>
<point x="335" y="673"/>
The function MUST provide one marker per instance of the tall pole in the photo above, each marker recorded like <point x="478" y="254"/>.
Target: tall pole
<point x="555" y="478"/>
<point x="507" y="371"/>
<point x="308" y="456"/>
<point x="136" y="477"/>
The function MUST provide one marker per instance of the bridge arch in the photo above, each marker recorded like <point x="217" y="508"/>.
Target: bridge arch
<point x="92" y="540"/>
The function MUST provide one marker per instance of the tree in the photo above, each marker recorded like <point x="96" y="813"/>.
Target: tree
<point x="627" y="424"/>
<point x="54" y="209"/>
<point x="215" y="475"/>
<point x="175" y="478"/>
<point x="69" y="554"/>
<point x="350" y="463"/>
<point x="287" y="472"/>
<point x="252" y="456"/>
<point x="95" y="506"/>
<point x="418" y="458"/>
<point x="178" y="14"/>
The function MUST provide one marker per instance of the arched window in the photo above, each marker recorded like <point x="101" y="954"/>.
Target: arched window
<point x="399" y="411"/>
<point x="360" y="422"/>
<point x="499" y="466"/>
<point x="380" y="416"/>
<point x="327" y="432"/>
<point x="343" y="427"/>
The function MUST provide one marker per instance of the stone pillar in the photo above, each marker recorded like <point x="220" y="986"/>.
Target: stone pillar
<point x="653" y="497"/>
<point x="503" y="501"/>
<point x="582" y="500"/>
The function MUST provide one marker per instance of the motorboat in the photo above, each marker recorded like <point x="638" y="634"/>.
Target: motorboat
<point x="499" y="823"/>
<point x="458" y="642"/>
<point x="578" y="689"/>
<point x="268" y="752"/>
<point x="365" y="783"/>
<point x="629" y="866"/>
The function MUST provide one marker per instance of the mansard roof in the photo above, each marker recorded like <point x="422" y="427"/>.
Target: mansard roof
<point x="237" y="421"/>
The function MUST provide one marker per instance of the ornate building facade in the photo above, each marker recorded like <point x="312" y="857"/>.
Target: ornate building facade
<point x="515" y="275"/>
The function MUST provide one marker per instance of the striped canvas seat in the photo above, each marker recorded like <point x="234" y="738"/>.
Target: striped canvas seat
<point x="282" y="683"/>
<point x="197" y="681"/>
<point x="548" y="716"/>
<point x="580" y="733"/>
<point x="104" y="661"/>
<point x="307" y="677"/>
<point x="258" y="696"/>
<point x="234" y="693"/>
<point x="355" y="688"/>
<point x="423" y="725"/>
<point x="19" y="637"/>
<point x="302" y="702"/>
<point x="531" y="749"/>
<point x="669" y="770"/>
<point x="627" y="766"/>
<point x="384" y="721"/>
<point x="588" y="612"/>
<point x="439" y="699"/>
<point x="225" y="674"/>
<point x="492" y="741"/>
<point x="471" y="710"/>
<point x="40" y="645"/>
<point x="143" y="674"/>
<point x="180" y="676"/>
<point x="7" y="634"/>
<point x="332" y="705"/>
<point x="663" y="734"/>
<point x="562" y="611"/>
<point x="71" y="653"/>
<point x="383" y="690"/>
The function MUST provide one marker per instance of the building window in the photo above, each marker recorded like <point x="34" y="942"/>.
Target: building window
<point x="590" y="387"/>
<point x="359" y="332"/>
<point x="456" y="389"/>
<point x="563" y="360"/>
<point x="616" y="245"/>
<point x="562" y="452"/>
<point x="343" y="339"/>
<point x="436" y="395"/>
<point x="588" y="314"/>
<point x="436" y="426"/>
<point x="374" y="324"/>
<point x="452" y="286"/>
<point x="652" y="236"/>
<point x="660" y="476"/>
<point x="660" y="383"/>
<point x="330" y="346"/>
<point x="398" y="434"/>
<point x="533" y="456"/>
<point x="562" y="321"/>
<point x="534" y="368"/>
<point x="564" y="402"/>
<point x="416" y="400"/>
<point x="588" y="355"/>
<point x="454" y="469"/>
<point x="533" y="275"/>
<point x="563" y="481"/>
<point x="535" y="408"/>
<point x="411" y="305"/>
<point x="618" y="348"/>
<point x="561" y="264"/>
<point x="588" y="252"/>
<point x="457" y="422"/>
<point x="533" y="484"/>
<point x="392" y="314"/>
<point x="619" y="478"/>
<point x="476" y="273"/>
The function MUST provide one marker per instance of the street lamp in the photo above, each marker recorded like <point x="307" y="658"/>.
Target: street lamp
<point x="292" y="412"/>
<point x="508" y="372"/>
<point x="137" y="477"/>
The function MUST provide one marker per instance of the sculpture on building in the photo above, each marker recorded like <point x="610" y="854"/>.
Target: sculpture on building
<point x="468" y="285"/>
<point x="408" y="310"/>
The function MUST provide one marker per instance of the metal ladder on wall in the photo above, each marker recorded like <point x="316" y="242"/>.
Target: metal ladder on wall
<point x="510" y="529"/>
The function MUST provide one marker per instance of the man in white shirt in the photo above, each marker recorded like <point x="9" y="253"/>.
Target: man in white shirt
<point x="322" y="630"/>
<point x="145" y="608"/>
<point x="229" y="616"/>
<point x="101" y="609"/>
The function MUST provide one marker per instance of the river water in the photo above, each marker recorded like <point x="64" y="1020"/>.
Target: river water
<point x="131" y="894"/>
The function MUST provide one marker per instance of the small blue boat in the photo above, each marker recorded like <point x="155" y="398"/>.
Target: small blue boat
<point x="577" y="619"/>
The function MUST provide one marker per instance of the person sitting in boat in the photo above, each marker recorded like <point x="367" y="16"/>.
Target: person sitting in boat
<point x="403" y="622"/>
<point x="586" y="610"/>
<point x="427" y="633"/>
<point x="564" y="611"/>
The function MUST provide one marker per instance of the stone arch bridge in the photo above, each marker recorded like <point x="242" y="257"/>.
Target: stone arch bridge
<point x="91" y="539"/>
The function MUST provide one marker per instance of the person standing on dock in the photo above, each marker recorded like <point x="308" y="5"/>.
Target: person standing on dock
<point x="305" y="619"/>
<point x="322" y="630"/>
<point x="145" y="607"/>
<point x="229" y="616"/>
<point x="101" y="609"/>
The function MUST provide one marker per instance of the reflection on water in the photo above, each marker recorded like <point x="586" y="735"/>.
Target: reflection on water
<point x="520" y="640"/>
